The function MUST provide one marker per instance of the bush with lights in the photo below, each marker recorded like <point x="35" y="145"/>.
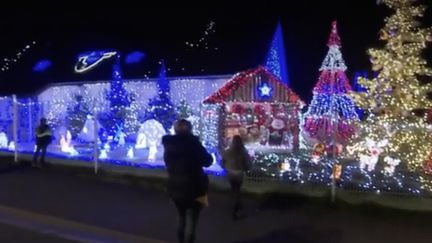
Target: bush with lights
<point x="396" y="92"/>
<point x="184" y="110"/>
<point x="77" y="115"/>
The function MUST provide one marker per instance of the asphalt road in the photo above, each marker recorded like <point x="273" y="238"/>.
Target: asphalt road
<point x="147" y="212"/>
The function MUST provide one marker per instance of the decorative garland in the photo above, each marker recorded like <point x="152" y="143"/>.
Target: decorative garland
<point x="241" y="79"/>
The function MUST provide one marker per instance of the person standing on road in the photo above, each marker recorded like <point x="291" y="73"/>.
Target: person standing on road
<point x="185" y="158"/>
<point x="236" y="161"/>
<point x="43" y="139"/>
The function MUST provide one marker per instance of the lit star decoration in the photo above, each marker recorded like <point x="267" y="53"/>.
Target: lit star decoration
<point x="276" y="61"/>
<point x="87" y="61"/>
<point x="265" y="90"/>
<point x="331" y="103"/>
<point x="396" y="92"/>
<point x="8" y="62"/>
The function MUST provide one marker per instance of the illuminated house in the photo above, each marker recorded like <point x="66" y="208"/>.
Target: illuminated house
<point x="256" y="105"/>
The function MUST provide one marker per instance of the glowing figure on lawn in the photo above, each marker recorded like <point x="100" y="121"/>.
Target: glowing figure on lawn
<point x="87" y="134"/>
<point x="391" y="164"/>
<point x="130" y="153"/>
<point x="369" y="160"/>
<point x="3" y="140"/>
<point x="11" y="146"/>
<point x="286" y="165"/>
<point x="121" y="138"/>
<point x="103" y="154"/>
<point x="107" y="147"/>
<point x="153" y="131"/>
<point x="141" y="142"/>
<point x="66" y="144"/>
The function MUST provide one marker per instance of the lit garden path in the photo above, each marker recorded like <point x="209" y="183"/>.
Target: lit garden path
<point x="145" y="211"/>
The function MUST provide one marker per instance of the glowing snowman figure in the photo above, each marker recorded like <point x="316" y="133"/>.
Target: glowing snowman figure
<point x="3" y="140"/>
<point x="153" y="131"/>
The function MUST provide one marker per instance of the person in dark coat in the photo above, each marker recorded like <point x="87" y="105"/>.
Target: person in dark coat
<point x="185" y="158"/>
<point x="43" y="139"/>
<point x="236" y="161"/>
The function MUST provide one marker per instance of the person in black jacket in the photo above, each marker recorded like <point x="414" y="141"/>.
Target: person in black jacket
<point x="185" y="158"/>
<point x="43" y="139"/>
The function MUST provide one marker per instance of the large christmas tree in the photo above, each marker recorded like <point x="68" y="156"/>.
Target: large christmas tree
<point x="394" y="95"/>
<point x="160" y="107"/>
<point x="331" y="110"/>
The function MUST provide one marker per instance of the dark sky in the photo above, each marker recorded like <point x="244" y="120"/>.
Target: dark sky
<point x="242" y="37"/>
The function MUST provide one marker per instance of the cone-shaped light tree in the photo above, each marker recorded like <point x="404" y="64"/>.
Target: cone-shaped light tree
<point x="160" y="107"/>
<point x="332" y="110"/>
<point x="276" y="60"/>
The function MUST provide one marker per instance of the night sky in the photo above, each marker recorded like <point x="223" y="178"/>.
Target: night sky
<point x="242" y="37"/>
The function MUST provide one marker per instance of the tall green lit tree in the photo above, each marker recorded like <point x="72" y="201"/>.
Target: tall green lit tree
<point x="396" y="92"/>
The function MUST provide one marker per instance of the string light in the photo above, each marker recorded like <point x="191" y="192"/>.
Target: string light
<point x="8" y="62"/>
<point x="89" y="60"/>
<point x="203" y="41"/>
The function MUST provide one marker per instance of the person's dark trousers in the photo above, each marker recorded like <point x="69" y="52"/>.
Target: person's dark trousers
<point x="236" y="182"/>
<point x="40" y="149"/>
<point x="188" y="213"/>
